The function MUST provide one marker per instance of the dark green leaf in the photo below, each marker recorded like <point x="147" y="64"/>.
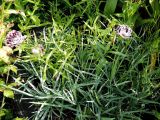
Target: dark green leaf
<point x="110" y="7"/>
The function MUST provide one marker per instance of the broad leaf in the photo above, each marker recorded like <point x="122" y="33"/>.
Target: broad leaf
<point x="110" y="7"/>
<point x="8" y="93"/>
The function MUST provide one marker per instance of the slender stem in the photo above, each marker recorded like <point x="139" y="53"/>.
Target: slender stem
<point x="3" y="99"/>
<point x="3" y="103"/>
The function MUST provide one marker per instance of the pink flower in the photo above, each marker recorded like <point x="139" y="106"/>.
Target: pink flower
<point x="14" y="38"/>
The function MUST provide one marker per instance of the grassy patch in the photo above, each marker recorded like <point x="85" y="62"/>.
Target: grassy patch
<point x="78" y="67"/>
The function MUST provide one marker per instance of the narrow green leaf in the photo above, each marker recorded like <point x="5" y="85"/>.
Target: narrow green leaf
<point x="157" y="114"/>
<point x="155" y="7"/>
<point x="67" y="3"/>
<point x="18" y="4"/>
<point x="31" y="1"/>
<point x="69" y="21"/>
<point x="13" y="68"/>
<point x="47" y="61"/>
<point x="2" y="83"/>
<point x="35" y="19"/>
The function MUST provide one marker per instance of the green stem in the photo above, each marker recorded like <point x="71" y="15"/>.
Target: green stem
<point x="3" y="99"/>
<point x="3" y="103"/>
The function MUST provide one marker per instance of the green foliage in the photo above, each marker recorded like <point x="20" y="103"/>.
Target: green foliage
<point x="157" y="114"/>
<point x="31" y="16"/>
<point x="72" y="69"/>
<point x="5" y="114"/>
<point x="130" y="12"/>
<point x="155" y="8"/>
<point x="87" y="78"/>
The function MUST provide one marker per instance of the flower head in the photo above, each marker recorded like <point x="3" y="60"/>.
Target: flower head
<point x="38" y="50"/>
<point x="124" y="31"/>
<point x="14" y="38"/>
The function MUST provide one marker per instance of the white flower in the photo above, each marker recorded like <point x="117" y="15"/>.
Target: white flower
<point x="124" y="31"/>
<point x="39" y="50"/>
<point x="35" y="51"/>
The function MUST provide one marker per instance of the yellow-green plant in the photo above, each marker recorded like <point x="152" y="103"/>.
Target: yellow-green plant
<point x="5" y="68"/>
<point x="156" y="39"/>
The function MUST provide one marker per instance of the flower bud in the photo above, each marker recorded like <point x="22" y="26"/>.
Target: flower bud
<point x="38" y="50"/>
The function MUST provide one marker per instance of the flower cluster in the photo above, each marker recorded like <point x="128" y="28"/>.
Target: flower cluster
<point x="14" y="38"/>
<point x="124" y="31"/>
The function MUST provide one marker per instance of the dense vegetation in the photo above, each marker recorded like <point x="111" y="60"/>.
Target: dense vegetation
<point x="69" y="62"/>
